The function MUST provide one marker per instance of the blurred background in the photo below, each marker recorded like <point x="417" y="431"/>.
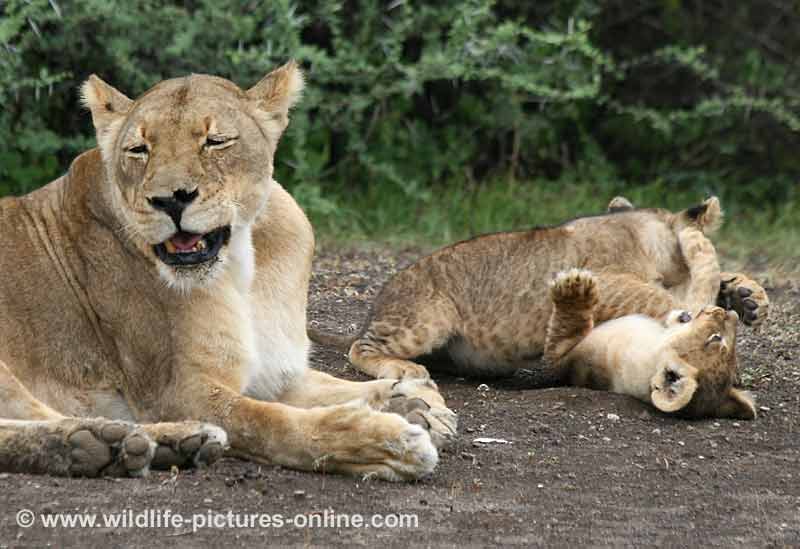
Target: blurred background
<point x="428" y="121"/>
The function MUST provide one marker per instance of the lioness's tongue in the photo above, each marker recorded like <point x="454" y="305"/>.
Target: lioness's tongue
<point x="184" y="242"/>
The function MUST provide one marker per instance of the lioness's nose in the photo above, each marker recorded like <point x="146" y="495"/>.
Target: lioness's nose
<point x="174" y="205"/>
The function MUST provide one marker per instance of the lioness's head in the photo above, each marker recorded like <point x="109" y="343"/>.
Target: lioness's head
<point x="697" y="367"/>
<point x="189" y="165"/>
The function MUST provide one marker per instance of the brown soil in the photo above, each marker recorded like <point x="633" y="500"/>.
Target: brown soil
<point x="583" y="467"/>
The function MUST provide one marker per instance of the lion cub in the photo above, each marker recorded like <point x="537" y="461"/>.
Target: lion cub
<point x="681" y="365"/>
<point x="485" y="302"/>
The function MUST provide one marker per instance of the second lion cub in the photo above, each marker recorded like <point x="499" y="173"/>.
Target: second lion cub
<point x="682" y="364"/>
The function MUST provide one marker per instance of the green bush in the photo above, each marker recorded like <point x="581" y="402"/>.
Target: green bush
<point x="414" y="95"/>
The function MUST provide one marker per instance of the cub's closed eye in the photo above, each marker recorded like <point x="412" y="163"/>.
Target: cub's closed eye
<point x="138" y="149"/>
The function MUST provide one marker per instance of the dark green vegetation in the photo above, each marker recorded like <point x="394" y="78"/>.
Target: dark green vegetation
<point x="437" y="120"/>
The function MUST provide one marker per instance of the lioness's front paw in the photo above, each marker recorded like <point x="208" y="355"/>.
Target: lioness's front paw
<point x="186" y="443"/>
<point x="99" y="446"/>
<point x="574" y="287"/>
<point x="355" y="439"/>
<point x="419" y="401"/>
<point x="745" y="296"/>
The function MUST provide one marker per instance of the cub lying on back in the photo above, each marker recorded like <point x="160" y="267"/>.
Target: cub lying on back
<point x="682" y="364"/>
<point x="486" y="303"/>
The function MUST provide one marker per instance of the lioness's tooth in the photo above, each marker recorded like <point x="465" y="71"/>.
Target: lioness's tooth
<point x="171" y="249"/>
<point x="201" y="245"/>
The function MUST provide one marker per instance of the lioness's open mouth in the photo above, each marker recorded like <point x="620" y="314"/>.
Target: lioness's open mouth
<point x="184" y="248"/>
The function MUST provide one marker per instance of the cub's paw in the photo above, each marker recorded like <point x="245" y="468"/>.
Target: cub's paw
<point x="419" y="401"/>
<point x="745" y="296"/>
<point x="98" y="447"/>
<point x="576" y="287"/>
<point x="355" y="439"/>
<point x="186" y="443"/>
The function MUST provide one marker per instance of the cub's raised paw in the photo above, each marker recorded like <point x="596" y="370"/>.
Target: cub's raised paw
<point x="186" y="443"/>
<point x="420" y="402"/>
<point x="745" y="296"/>
<point x="574" y="287"/>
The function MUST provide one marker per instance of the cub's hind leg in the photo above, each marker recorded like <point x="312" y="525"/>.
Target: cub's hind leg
<point x="398" y="333"/>
<point x="574" y="294"/>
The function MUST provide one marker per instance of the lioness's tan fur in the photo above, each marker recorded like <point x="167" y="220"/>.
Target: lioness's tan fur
<point x="93" y="323"/>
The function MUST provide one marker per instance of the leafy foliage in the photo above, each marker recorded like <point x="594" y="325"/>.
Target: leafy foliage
<point x="412" y="96"/>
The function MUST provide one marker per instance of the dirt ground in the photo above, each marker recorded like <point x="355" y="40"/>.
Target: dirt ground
<point x="581" y="467"/>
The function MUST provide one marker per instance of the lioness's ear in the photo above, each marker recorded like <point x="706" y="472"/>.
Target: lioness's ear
<point x="106" y="103"/>
<point x="280" y="90"/>
<point x="738" y="405"/>
<point x="673" y="386"/>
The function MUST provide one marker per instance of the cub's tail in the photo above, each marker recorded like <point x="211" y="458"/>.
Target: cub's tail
<point x="342" y="342"/>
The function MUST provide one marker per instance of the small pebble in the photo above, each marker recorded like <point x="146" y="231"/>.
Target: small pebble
<point x="612" y="417"/>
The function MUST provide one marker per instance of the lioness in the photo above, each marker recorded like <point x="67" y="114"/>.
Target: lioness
<point x="682" y="364"/>
<point x="164" y="279"/>
<point x="486" y="301"/>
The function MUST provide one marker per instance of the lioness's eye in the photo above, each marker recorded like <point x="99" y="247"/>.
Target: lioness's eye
<point x="218" y="141"/>
<point x="714" y="338"/>
<point x="138" y="149"/>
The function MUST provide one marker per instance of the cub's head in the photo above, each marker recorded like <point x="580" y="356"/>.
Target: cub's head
<point x="189" y="165"/>
<point x="697" y="367"/>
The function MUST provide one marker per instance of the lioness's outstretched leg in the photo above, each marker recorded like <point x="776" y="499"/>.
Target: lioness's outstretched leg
<point x="418" y="400"/>
<point x="35" y="438"/>
<point x="348" y="438"/>
<point x="74" y="447"/>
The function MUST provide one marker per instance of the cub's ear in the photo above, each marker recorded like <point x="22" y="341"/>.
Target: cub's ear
<point x="106" y="103"/>
<point x="280" y="90"/>
<point x="738" y="405"/>
<point x="706" y="216"/>
<point x="619" y="204"/>
<point x="673" y="386"/>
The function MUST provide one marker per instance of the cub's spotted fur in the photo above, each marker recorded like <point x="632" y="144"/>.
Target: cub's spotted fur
<point x="486" y="301"/>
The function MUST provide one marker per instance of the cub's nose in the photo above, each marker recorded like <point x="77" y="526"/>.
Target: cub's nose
<point x="174" y="205"/>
